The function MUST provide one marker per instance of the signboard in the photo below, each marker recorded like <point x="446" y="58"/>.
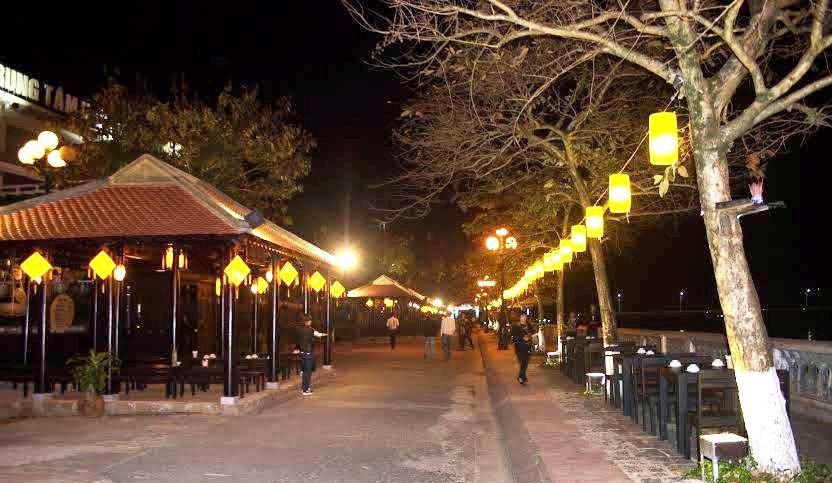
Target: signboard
<point x="61" y="313"/>
<point x="38" y="92"/>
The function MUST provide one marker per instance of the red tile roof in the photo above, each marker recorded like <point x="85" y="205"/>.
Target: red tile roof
<point x="114" y="211"/>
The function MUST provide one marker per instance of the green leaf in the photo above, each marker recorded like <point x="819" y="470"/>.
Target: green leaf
<point x="683" y="172"/>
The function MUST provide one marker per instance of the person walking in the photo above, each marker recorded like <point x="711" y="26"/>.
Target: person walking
<point x="446" y="333"/>
<point x="429" y="330"/>
<point x="393" y="328"/>
<point x="306" y="342"/>
<point x="469" y="328"/>
<point x="521" y="333"/>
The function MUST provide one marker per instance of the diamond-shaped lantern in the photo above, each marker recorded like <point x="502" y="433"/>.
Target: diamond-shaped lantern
<point x="369" y="302"/>
<point x="288" y="273"/>
<point x="237" y="270"/>
<point x="102" y="265"/>
<point x="262" y="285"/>
<point x="35" y="266"/>
<point x="317" y="281"/>
<point x="336" y="289"/>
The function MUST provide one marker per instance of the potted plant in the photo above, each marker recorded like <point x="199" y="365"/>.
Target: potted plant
<point x="89" y="372"/>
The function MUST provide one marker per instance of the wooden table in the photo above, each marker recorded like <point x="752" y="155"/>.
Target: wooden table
<point x="681" y="379"/>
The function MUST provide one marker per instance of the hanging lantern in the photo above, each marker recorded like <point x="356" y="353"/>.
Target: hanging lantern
<point x="269" y="276"/>
<point x="35" y="266"/>
<point x="549" y="262"/>
<point x="388" y="303"/>
<point x="237" y="270"/>
<point x="369" y="303"/>
<point x="218" y="286"/>
<point x="620" y="198"/>
<point x="183" y="260"/>
<point x="288" y="273"/>
<point x="102" y="265"/>
<point x="316" y="281"/>
<point x="262" y="285"/>
<point x="595" y="222"/>
<point x="119" y="272"/>
<point x="254" y="289"/>
<point x="167" y="258"/>
<point x="557" y="260"/>
<point x="578" y="238"/>
<point x="528" y="276"/>
<point x="565" y="250"/>
<point x="336" y="289"/>
<point x="664" y="139"/>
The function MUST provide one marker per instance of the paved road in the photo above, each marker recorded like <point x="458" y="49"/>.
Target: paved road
<point x="385" y="417"/>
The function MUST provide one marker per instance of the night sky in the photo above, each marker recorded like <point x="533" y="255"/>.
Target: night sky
<point x="312" y="51"/>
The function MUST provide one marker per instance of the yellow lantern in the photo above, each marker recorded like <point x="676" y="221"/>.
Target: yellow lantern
<point x="620" y="198"/>
<point x="557" y="260"/>
<point x="369" y="303"/>
<point x="595" y="221"/>
<point x="663" y="139"/>
<point x="218" y="286"/>
<point x="262" y="285"/>
<point x="35" y="266"/>
<point x="549" y="262"/>
<point x="528" y="276"/>
<point x="316" y="281"/>
<point x="237" y="270"/>
<point x="565" y="250"/>
<point x="425" y="309"/>
<point x="119" y="272"/>
<point x="578" y="238"/>
<point x="102" y="265"/>
<point x="336" y="289"/>
<point x="288" y="273"/>
<point x="538" y="269"/>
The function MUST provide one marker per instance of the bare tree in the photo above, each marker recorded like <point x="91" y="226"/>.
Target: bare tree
<point x="738" y="65"/>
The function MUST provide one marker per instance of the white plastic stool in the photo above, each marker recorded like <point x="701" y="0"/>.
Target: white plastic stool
<point x="728" y="446"/>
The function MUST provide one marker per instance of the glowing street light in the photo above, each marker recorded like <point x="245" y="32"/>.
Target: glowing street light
<point x="347" y="259"/>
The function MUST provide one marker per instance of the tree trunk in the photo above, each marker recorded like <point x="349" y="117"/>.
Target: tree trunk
<point x="560" y="311"/>
<point x="609" y="326"/>
<point x="763" y="406"/>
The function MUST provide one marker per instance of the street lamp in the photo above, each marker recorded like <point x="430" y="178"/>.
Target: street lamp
<point x="45" y="146"/>
<point x="347" y="260"/>
<point x="499" y="244"/>
<point x="681" y="298"/>
<point x="806" y="298"/>
<point x="618" y="296"/>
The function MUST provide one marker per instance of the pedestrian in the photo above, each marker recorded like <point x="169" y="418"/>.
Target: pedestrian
<point x="521" y="333"/>
<point x="446" y="332"/>
<point x="429" y="330"/>
<point x="306" y="342"/>
<point x="460" y="330"/>
<point x="469" y="327"/>
<point x="393" y="328"/>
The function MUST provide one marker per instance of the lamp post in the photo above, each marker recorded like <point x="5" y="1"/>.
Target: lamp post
<point x="500" y="244"/>
<point x="681" y="299"/>
<point x="44" y="147"/>
<point x="618" y="296"/>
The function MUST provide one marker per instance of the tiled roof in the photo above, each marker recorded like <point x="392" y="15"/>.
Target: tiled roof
<point x="148" y="197"/>
<point x="114" y="211"/>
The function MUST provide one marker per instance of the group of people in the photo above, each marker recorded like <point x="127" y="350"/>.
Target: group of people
<point x="462" y="326"/>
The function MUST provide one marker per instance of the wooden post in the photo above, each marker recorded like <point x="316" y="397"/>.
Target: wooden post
<point x="94" y="321"/>
<point x="174" y="305"/>
<point x="26" y="327"/>
<point x="41" y="380"/>
<point x="110" y="338"/>
<point x="274" y="337"/>
<point x="328" y="330"/>
<point x="229" y="386"/>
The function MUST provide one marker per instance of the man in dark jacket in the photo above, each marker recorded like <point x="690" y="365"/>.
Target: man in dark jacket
<point x="430" y="327"/>
<point x="521" y="334"/>
<point x="306" y="340"/>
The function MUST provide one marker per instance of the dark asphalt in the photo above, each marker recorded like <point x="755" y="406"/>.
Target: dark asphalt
<point x="385" y="417"/>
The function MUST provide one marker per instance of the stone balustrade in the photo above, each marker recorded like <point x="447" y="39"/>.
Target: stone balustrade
<point x="809" y="363"/>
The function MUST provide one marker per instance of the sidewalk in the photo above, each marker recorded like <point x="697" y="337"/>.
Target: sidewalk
<point x="556" y="434"/>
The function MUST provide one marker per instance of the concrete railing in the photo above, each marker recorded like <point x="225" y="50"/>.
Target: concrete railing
<point x="809" y="362"/>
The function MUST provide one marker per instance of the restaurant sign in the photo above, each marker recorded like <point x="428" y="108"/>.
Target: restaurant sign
<point x="33" y="90"/>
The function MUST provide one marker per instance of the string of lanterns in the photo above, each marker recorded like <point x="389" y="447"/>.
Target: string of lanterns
<point x="663" y="143"/>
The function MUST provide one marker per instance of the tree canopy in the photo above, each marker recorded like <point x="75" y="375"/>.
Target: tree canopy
<point x="254" y="151"/>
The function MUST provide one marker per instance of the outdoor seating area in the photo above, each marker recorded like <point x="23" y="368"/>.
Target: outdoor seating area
<point x="181" y="290"/>
<point x="674" y="396"/>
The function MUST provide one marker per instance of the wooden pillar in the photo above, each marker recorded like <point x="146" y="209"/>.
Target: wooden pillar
<point x="328" y="330"/>
<point x="229" y="386"/>
<point x="40" y="382"/>
<point x="110" y="334"/>
<point x="26" y="325"/>
<point x="304" y="280"/>
<point x="274" y="336"/>
<point x="174" y="306"/>
<point x="222" y="319"/>
<point x="94" y="321"/>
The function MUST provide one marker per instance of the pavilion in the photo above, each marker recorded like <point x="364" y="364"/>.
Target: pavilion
<point x="179" y="290"/>
<point x="384" y="296"/>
